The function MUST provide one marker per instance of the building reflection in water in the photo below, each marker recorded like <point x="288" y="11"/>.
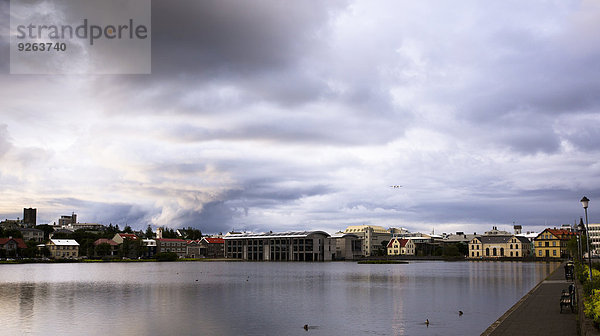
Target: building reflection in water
<point x="263" y="298"/>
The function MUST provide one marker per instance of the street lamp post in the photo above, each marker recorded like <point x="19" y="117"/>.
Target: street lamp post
<point x="579" y="228"/>
<point x="585" y="201"/>
<point x="578" y="231"/>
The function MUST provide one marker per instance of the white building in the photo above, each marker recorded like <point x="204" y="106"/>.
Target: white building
<point x="594" y="237"/>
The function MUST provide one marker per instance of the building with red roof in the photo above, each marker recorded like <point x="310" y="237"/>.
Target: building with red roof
<point x="10" y="245"/>
<point x="552" y="243"/>
<point x="398" y="246"/>
<point x="120" y="237"/>
<point x="114" y="246"/>
<point x="215" y="247"/>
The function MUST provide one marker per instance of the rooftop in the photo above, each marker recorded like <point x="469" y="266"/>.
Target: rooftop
<point x="267" y="235"/>
<point x="64" y="242"/>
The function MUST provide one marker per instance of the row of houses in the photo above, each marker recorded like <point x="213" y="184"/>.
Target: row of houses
<point x="206" y="247"/>
<point x="353" y="243"/>
<point x="550" y="243"/>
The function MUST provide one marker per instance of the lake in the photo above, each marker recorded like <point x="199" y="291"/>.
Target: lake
<point x="261" y="298"/>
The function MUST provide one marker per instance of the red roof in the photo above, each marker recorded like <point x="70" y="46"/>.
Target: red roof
<point x="401" y="241"/>
<point x="105" y="241"/>
<point x="215" y="240"/>
<point x="561" y="233"/>
<point x="128" y="236"/>
<point x="19" y="241"/>
<point x="171" y="240"/>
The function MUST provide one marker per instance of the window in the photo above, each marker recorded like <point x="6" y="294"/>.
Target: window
<point x="540" y="253"/>
<point x="554" y="253"/>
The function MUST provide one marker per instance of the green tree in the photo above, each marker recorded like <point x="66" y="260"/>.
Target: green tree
<point x="31" y="251"/>
<point x="451" y="250"/>
<point x="62" y="235"/>
<point x="191" y="233"/>
<point x="169" y="233"/>
<point x="13" y="233"/>
<point x="127" y="229"/>
<point x="45" y="252"/>
<point x="103" y="249"/>
<point x="149" y="232"/>
<point x="573" y="247"/>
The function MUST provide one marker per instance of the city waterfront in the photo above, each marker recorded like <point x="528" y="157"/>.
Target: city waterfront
<point x="262" y="298"/>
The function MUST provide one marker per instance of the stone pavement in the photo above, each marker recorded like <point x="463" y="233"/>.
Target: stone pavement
<point x="538" y="312"/>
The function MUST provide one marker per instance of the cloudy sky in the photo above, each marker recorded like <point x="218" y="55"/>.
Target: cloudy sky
<point x="289" y="115"/>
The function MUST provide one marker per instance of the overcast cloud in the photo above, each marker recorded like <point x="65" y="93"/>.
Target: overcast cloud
<point x="285" y="115"/>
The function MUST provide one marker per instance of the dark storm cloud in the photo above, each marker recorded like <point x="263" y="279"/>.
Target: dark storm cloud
<point x="95" y="212"/>
<point x="4" y="37"/>
<point x="232" y="38"/>
<point x="264" y="193"/>
<point x="214" y="217"/>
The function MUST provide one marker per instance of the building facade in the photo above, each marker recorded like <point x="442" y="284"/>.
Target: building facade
<point x="179" y="246"/>
<point x="281" y="246"/>
<point x="372" y="237"/>
<point x="10" y="246"/>
<point x="212" y="247"/>
<point x="63" y="248"/>
<point x="32" y="234"/>
<point x="149" y="250"/>
<point x="552" y="243"/>
<point x="594" y="233"/>
<point x="67" y="220"/>
<point x="499" y="246"/>
<point x="399" y="246"/>
<point x="348" y="246"/>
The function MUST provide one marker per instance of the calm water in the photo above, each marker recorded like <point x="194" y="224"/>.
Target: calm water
<point x="261" y="298"/>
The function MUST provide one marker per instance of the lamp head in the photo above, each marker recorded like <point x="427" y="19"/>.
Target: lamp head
<point x="585" y="201"/>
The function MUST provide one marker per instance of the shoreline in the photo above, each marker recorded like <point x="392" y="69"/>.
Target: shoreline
<point x="373" y="260"/>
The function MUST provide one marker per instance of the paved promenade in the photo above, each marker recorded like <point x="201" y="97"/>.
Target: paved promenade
<point x="538" y="312"/>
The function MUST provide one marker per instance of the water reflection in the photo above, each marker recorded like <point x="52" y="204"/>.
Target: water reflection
<point x="262" y="298"/>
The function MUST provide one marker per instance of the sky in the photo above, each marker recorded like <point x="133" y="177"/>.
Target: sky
<point x="299" y="115"/>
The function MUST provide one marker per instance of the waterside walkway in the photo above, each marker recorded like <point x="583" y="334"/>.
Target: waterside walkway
<point x="538" y="312"/>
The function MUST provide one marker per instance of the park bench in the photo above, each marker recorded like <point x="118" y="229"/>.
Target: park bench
<point x="567" y="299"/>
